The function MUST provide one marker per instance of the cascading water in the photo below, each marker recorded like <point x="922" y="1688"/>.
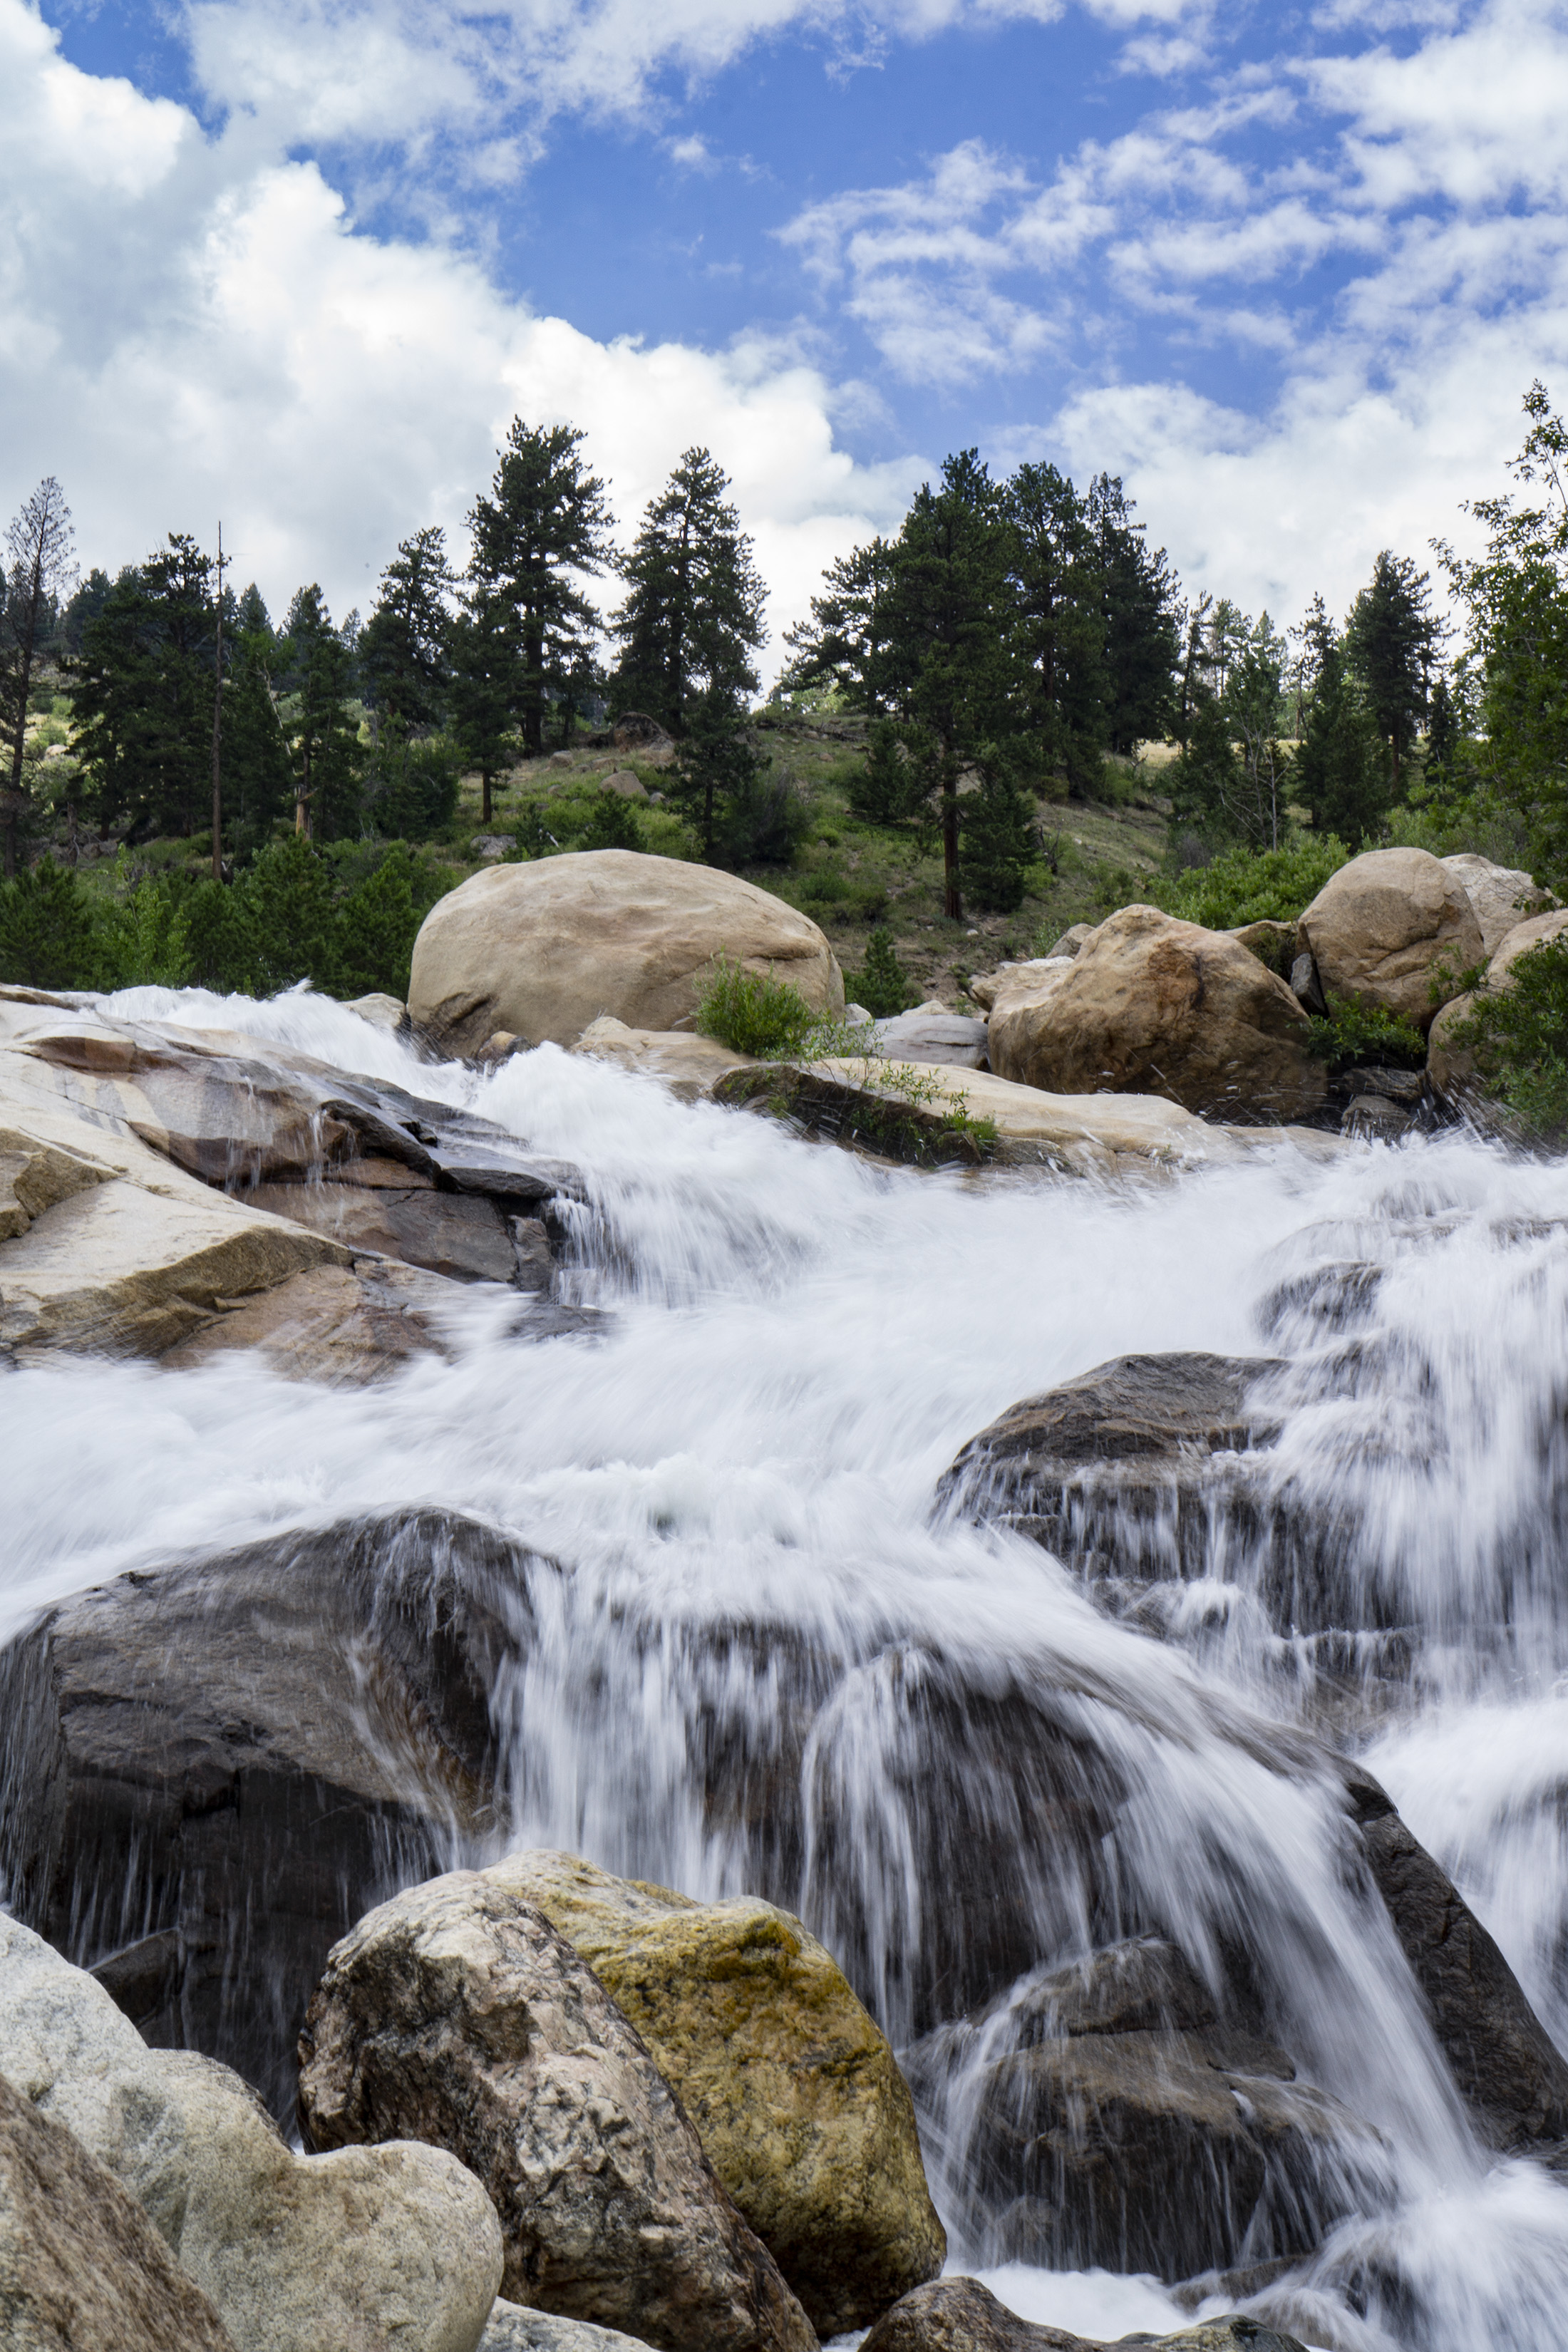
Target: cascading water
<point x="772" y="1664"/>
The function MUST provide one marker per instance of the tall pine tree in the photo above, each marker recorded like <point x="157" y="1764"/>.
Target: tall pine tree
<point x="542" y="530"/>
<point x="692" y="618"/>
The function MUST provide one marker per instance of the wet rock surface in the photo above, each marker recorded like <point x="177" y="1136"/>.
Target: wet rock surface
<point x="455" y="2015"/>
<point x="80" y="2264"/>
<point x="960" y="2315"/>
<point x="213" y="1768"/>
<point x="1123" y="2123"/>
<point x="790" y="2087"/>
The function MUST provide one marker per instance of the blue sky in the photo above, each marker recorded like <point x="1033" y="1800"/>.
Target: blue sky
<point x="1288" y="270"/>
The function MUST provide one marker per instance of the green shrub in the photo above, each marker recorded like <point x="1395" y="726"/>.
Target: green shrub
<point x="613" y="823"/>
<point x="1519" y="1036"/>
<point x="881" y="984"/>
<point x="147" y="932"/>
<point x="51" y="935"/>
<point x="1253" y="885"/>
<point x="752" y="1013"/>
<point x="1360" y="1033"/>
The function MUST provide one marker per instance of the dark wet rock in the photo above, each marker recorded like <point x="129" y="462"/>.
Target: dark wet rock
<point x="1507" y="2067"/>
<point x="212" y="1769"/>
<point x="465" y="1236"/>
<point x="959" y="2315"/>
<point x="346" y="1327"/>
<point x="1123" y="2122"/>
<point x="82" y="2269"/>
<point x="456" y="2015"/>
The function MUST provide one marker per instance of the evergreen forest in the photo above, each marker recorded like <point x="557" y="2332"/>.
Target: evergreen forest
<point x="1008" y="716"/>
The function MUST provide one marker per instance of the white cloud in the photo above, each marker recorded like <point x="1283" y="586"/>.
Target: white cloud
<point x="192" y="330"/>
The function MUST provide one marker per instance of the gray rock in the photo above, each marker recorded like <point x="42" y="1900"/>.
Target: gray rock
<point x="455" y="2015"/>
<point x="511" y="2328"/>
<point x="1127" y="2123"/>
<point x="1305" y="985"/>
<point x="492" y="845"/>
<point x="213" y="1768"/>
<point x="1375" y="1119"/>
<point x="959" y="2315"/>
<point x="1511" y="2073"/>
<point x="1071" y="939"/>
<point x="932" y="1033"/>
<point x="461" y="1235"/>
<point x="382" y="1011"/>
<point x="627" y="783"/>
<point x="295" y="2252"/>
<point x="81" y="2267"/>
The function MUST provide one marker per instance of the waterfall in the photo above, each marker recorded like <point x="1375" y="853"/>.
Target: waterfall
<point x="772" y="1663"/>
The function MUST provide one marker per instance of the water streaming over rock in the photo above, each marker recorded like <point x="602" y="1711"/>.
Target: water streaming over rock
<point x="770" y="1661"/>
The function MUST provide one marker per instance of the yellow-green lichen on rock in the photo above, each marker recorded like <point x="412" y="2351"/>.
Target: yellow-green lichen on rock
<point x="791" y="2086"/>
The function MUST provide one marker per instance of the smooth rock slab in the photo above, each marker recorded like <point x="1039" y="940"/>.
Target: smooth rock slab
<point x="81" y="2267"/>
<point x="455" y="2015"/>
<point x="393" y="2247"/>
<point x="791" y="2086"/>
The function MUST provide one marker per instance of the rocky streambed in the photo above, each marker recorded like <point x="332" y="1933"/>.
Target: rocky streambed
<point x="717" y="1725"/>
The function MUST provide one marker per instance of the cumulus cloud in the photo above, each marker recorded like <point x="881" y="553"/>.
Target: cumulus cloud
<point x="192" y="329"/>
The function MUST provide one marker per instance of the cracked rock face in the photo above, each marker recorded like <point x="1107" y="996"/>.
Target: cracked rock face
<point x="456" y="2015"/>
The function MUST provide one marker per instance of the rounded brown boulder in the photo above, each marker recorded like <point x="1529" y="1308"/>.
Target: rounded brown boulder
<point x="1153" y="1005"/>
<point x="1450" y="1063"/>
<point x="543" y="947"/>
<point x="1391" y="931"/>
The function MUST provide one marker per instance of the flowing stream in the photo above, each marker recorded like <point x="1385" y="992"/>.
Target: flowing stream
<point x="737" y="1472"/>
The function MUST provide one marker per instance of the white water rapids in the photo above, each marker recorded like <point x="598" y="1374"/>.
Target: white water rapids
<point x="797" y="1344"/>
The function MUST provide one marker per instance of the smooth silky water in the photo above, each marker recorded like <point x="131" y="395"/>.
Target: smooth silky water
<point x="737" y="1472"/>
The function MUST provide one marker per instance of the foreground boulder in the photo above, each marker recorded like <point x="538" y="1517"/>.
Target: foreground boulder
<point x="211" y="1769"/>
<point x="1117" y="2120"/>
<point x="296" y="2253"/>
<point x="455" y="2015"/>
<point x="1391" y="931"/>
<point x="543" y="948"/>
<point x="1500" y="897"/>
<point x="80" y="2264"/>
<point x="960" y="2315"/>
<point x="790" y="2087"/>
<point x="1153" y="1005"/>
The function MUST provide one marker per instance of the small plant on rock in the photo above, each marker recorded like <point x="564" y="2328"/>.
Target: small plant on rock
<point x="752" y="1013"/>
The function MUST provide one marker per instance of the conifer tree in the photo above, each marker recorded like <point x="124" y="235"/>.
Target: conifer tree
<point x="402" y="648"/>
<point x="541" y="532"/>
<point x="1391" y="640"/>
<point x="483" y="686"/>
<point x="323" y="733"/>
<point x="1339" y="771"/>
<point x="1140" y="606"/>
<point x="1058" y="622"/>
<point x="693" y="615"/>
<point x="143" y="693"/>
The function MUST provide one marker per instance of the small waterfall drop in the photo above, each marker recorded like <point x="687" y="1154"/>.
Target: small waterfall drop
<point x="773" y="1664"/>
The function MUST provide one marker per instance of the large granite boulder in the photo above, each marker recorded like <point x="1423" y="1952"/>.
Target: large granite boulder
<point x="211" y="1769"/>
<point x="1153" y="1005"/>
<point x="295" y="2252"/>
<point x="790" y="2084"/>
<point x="543" y="948"/>
<point x="1500" y="897"/>
<point x="455" y="2015"/>
<point x="1110" y="2117"/>
<point x="80" y="2264"/>
<point x="1013" y="999"/>
<point x="1390" y="931"/>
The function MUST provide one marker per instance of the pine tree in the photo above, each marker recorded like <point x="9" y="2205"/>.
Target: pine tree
<point x="881" y="987"/>
<point x="847" y="642"/>
<point x="544" y="528"/>
<point x="693" y="617"/>
<point x="323" y="733"/>
<point x="998" y="841"/>
<point x="949" y="615"/>
<point x="483" y="687"/>
<point x="1059" y="623"/>
<point x="1139" y="604"/>
<point x="715" y="779"/>
<point x="1391" y="640"/>
<point x="1339" y="772"/>
<point x="402" y="648"/>
<point x="143" y="693"/>
<point x="257" y="778"/>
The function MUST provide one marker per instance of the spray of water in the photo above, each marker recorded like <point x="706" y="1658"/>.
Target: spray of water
<point x="769" y="1663"/>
